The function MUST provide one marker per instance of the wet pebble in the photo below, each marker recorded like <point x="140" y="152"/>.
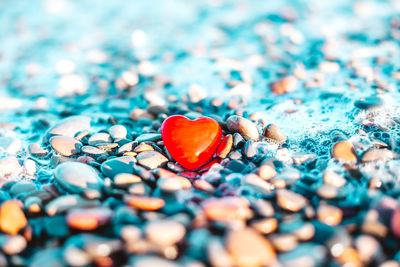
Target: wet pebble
<point x="99" y="138"/>
<point x="151" y="159"/>
<point x="375" y="154"/>
<point x="12" y="218"/>
<point x="145" y="203"/>
<point x="115" y="166"/>
<point x="290" y="201"/>
<point x="344" y="150"/>
<point x="225" y="146"/>
<point x="65" y="146"/>
<point x="68" y="127"/>
<point x="244" y="127"/>
<point x="273" y="132"/>
<point x="165" y="232"/>
<point x="118" y="131"/>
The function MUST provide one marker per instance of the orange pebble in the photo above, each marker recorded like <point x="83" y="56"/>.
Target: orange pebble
<point x="225" y="146"/>
<point x="145" y="203"/>
<point x="12" y="218"/>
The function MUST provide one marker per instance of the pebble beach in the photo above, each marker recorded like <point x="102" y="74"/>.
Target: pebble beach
<point x="200" y="133"/>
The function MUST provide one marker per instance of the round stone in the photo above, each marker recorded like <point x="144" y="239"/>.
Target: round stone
<point x="243" y="126"/>
<point x="65" y="145"/>
<point x="145" y="203"/>
<point x="266" y="172"/>
<point x="344" y="150"/>
<point x="22" y="187"/>
<point x="291" y="201"/>
<point x="12" y="218"/>
<point x="375" y="154"/>
<point x="14" y="244"/>
<point x="265" y="226"/>
<point x="274" y="133"/>
<point x="151" y="159"/>
<point x="112" y="167"/>
<point x="99" y="138"/>
<point x="118" y="132"/>
<point x="76" y="177"/>
<point x="165" y="232"/>
<point x="329" y="215"/>
<point x="126" y="179"/>
<point x="88" y="219"/>
<point x="333" y="179"/>
<point x="227" y="208"/>
<point x="285" y="85"/>
<point x="248" y="248"/>
<point x="173" y="184"/>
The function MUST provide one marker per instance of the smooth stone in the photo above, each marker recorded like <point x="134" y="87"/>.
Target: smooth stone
<point x="265" y="226"/>
<point x="266" y="172"/>
<point x="128" y="147"/>
<point x="226" y="209"/>
<point x="118" y="132"/>
<point x="9" y="167"/>
<point x="145" y="203"/>
<point x="248" y="248"/>
<point x="333" y="179"/>
<point x="284" y="242"/>
<point x="30" y="167"/>
<point x="12" y="245"/>
<point x="148" y="137"/>
<point x="369" y="103"/>
<point x="173" y="184"/>
<point x="37" y="151"/>
<point x="126" y="179"/>
<point x="246" y="128"/>
<point x="12" y="218"/>
<point x="238" y="141"/>
<point x="22" y="187"/>
<point x="76" y="177"/>
<point x="89" y="218"/>
<point x="112" y="167"/>
<point x="68" y="127"/>
<point x="151" y="159"/>
<point x="225" y="146"/>
<point x="93" y="151"/>
<point x="284" y="85"/>
<point x="344" y="150"/>
<point x="165" y="232"/>
<point x="10" y="145"/>
<point x="250" y="149"/>
<point x="290" y="200"/>
<point x="66" y="202"/>
<point x="65" y="146"/>
<point x="99" y="138"/>
<point x="329" y="214"/>
<point x="273" y="132"/>
<point x="142" y="147"/>
<point x="375" y="154"/>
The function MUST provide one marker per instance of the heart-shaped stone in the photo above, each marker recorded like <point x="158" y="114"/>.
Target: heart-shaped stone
<point x="191" y="142"/>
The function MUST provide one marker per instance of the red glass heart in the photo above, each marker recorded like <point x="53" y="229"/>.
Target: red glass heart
<point x="191" y="142"/>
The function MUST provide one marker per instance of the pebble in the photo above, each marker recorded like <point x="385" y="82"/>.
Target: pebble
<point x="65" y="146"/>
<point x="265" y="226"/>
<point x="9" y="167"/>
<point x="68" y="127"/>
<point x="284" y="242"/>
<point x="22" y="187"/>
<point x="285" y="85"/>
<point x="327" y="191"/>
<point x="76" y="177"/>
<point x="145" y="203"/>
<point x="13" y="244"/>
<point x="225" y="146"/>
<point x="143" y="147"/>
<point x="151" y="159"/>
<point x="37" y="151"/>
<point x="128" y="147"/>
<point x="369" y="103"/>
<point x="99" y="138"/>
<point x="110" y="168"/>
<point x="375" y="154"/>
<point x="88" y="219"/>
<point x="273" y="132"/>
<point x="12" y="218"/>
<point x="173" y="184"/>
<point x="329" y="214"/>
<point x="266" y="172"/>
<point x="126" y="179"/>
<point x="250" y="149"/>
<point x="66" y="202"/>
<point x="93" y="151"/>
<point x="227" y="209"/>
<point x="333" y="179"/>
<point x="344" y="150"/>
<point x="246" y="128"/>
<point x="148" y="137"/>
<point x="10" y="145"/>
<point x="118" y="132"/>
<point x="248" y="248"/>
<point x="290" y="200"/>
<point x="165" y="232"/>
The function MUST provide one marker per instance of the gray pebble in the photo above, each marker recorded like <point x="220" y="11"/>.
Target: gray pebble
<point x="245" y="127"/>
<point x="115" y="166"/>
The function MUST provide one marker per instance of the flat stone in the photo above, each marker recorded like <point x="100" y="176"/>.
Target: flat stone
<point x="99" y="138"/>
<point x="37" y="151"/>
<point x="93" y="151"/>
<point x="128" y="147"/>
<point x="142" y="147"/>
<point x="148" y="137"/>
<point x="246" y="128"/>
<point x="13" y="244"/>
<point x="173" y="184"/>
<point x="22" y="187"/>
<point x="375" y="154"/>
<point x="274" y="133"/>
<point x="334" y="179"/>
<point x="76" y="177"/>
<point x="145" y="203"/>
<point x="329" y="214"/>
<point x="126" y="179"/>
<point x="248" y="248"/>
<point x="12" y="218"/>
<point x="115" y="166"/>
<point x="89" y="219"/>
<point x="225" y="146"/>
<point x="284" y="85"/>
<point x="151" y="159"/>
<point x="65" y="146"/>
<point x="344" y="150"/>
<point x="165" y="232"/>
<point x="118" y="132"/>
<point x="68" y="127"/>
<point x="265" y="226"/>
